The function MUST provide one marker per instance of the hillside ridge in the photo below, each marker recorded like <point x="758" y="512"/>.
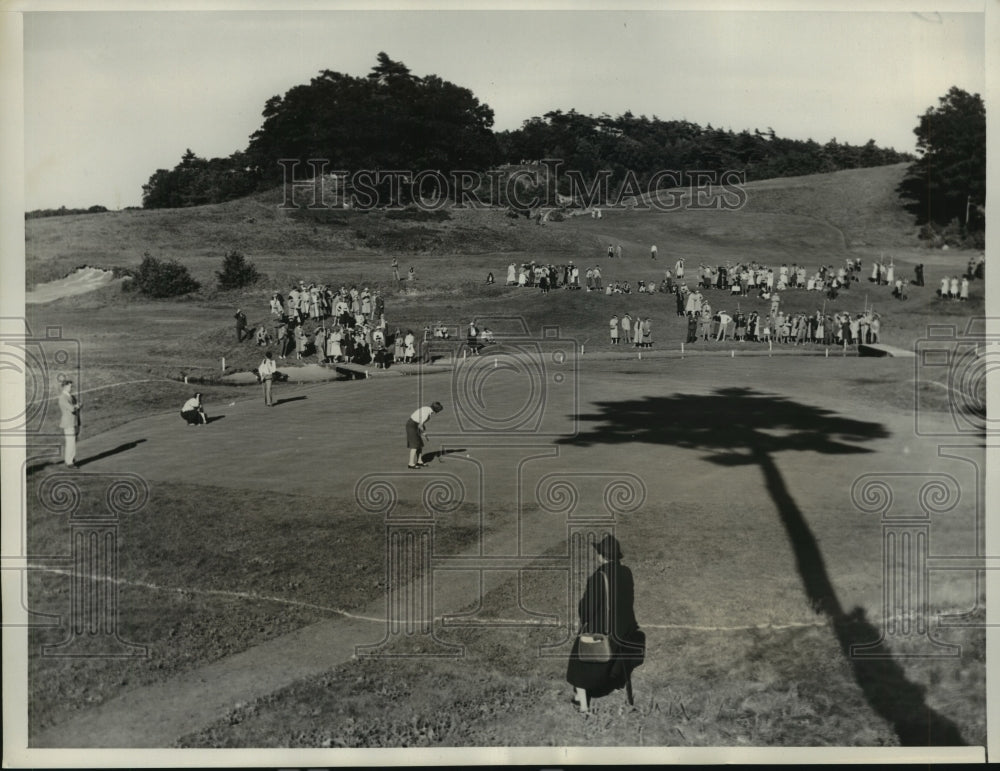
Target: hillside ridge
<point x="860" y="203"/>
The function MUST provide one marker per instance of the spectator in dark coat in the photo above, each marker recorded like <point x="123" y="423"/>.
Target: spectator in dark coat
<point x="241" y="325"/>
<point x="607" y="608"/>
<point x="692" y="330"/>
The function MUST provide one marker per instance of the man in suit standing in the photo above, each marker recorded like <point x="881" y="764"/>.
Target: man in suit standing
<point x="472" y="338"/>
<point x="266" y="371"/>
<point x="69" y="422"/>
<point x="692" y="330"/>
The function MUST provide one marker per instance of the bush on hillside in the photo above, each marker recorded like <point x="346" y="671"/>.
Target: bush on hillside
<point x="953" y="235"/>
<point x="162" y="278"/>
<point x="417" y="214"/>
<point x="237" y="272"/>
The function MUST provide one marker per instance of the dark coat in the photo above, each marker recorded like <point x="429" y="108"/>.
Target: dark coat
<point x="627" y="641"/>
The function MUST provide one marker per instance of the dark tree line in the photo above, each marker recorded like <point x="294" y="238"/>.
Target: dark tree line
<point x="645" y="146"/>
<point x="391" y="119"/>
<point x="196" y="181"/>
<point x="62" y="211"/>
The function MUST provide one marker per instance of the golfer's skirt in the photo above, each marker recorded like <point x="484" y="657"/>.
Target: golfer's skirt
<point x="413" y="436"/>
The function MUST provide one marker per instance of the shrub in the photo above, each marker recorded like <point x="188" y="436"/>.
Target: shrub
<point x="162" y="278"/>
<point x="418" y="215"/>
<point x="236" y="272"/>
<point x="953" y="235"/>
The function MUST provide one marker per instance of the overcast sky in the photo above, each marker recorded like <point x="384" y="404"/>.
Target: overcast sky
<point x="112" y="96"/>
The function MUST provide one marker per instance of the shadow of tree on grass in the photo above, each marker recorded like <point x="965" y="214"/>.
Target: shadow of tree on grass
<point x="741" y="426"/>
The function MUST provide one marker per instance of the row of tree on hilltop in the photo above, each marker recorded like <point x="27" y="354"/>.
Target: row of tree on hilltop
<point x="392" y="119"/>
<point x="647" y="145"/>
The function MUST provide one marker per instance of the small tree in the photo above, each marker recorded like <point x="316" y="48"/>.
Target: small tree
<point x="236" y="272"/>
<point x="163" y="278"/>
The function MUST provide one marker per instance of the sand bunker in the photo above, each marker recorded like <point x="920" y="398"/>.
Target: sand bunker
<point x="80" y="281"/>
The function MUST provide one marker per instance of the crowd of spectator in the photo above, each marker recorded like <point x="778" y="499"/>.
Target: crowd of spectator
<point x="348" y="324"/>
<point x="787" y="328"/>
<point x="333" y="325"/>
<point x="742" y="279"/>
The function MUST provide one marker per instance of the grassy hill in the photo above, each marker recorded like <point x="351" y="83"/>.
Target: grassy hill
<point x="860" y="203"/>
<point x="845" y="209"/>
<point x="811" y="221"/>
<point x="282" y="243"/>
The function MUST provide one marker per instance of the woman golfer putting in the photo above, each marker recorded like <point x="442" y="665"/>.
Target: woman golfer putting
<point x="416" y="433"/>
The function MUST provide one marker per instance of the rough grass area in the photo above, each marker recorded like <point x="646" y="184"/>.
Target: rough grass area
<point x="262" y="565"/>
<point x="700" y="685"/>
<point x="769" y="688"/>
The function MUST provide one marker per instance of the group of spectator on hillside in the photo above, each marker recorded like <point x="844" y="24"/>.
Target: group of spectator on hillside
<point x="957" y="287"/>
<point x="349" y="326"/>
<point x="776" y="326"/>
<point x="838" y="328"/>
<point x="743" y="279"/>
<point x="637" y="331"/>
<point x="335" y="326"/>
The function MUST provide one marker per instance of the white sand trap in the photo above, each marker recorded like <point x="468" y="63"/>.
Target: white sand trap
<point x="80" y="281"/>
<point x="881" y="349"/>
<point x="304" y="373"/>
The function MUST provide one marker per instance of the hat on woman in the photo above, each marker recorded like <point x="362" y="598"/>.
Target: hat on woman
<point x="609" y="548"/>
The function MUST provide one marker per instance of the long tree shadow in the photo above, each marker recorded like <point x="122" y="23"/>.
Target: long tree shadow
<point x="741" y="426"/>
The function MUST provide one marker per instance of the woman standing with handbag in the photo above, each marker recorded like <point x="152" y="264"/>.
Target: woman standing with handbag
<point x="610" y="644"/>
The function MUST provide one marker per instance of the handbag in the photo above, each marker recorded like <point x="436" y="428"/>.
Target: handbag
<point x="594" y="646"/>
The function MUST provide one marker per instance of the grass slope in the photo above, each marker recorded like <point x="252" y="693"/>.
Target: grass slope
<point x="860" y="204"/>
